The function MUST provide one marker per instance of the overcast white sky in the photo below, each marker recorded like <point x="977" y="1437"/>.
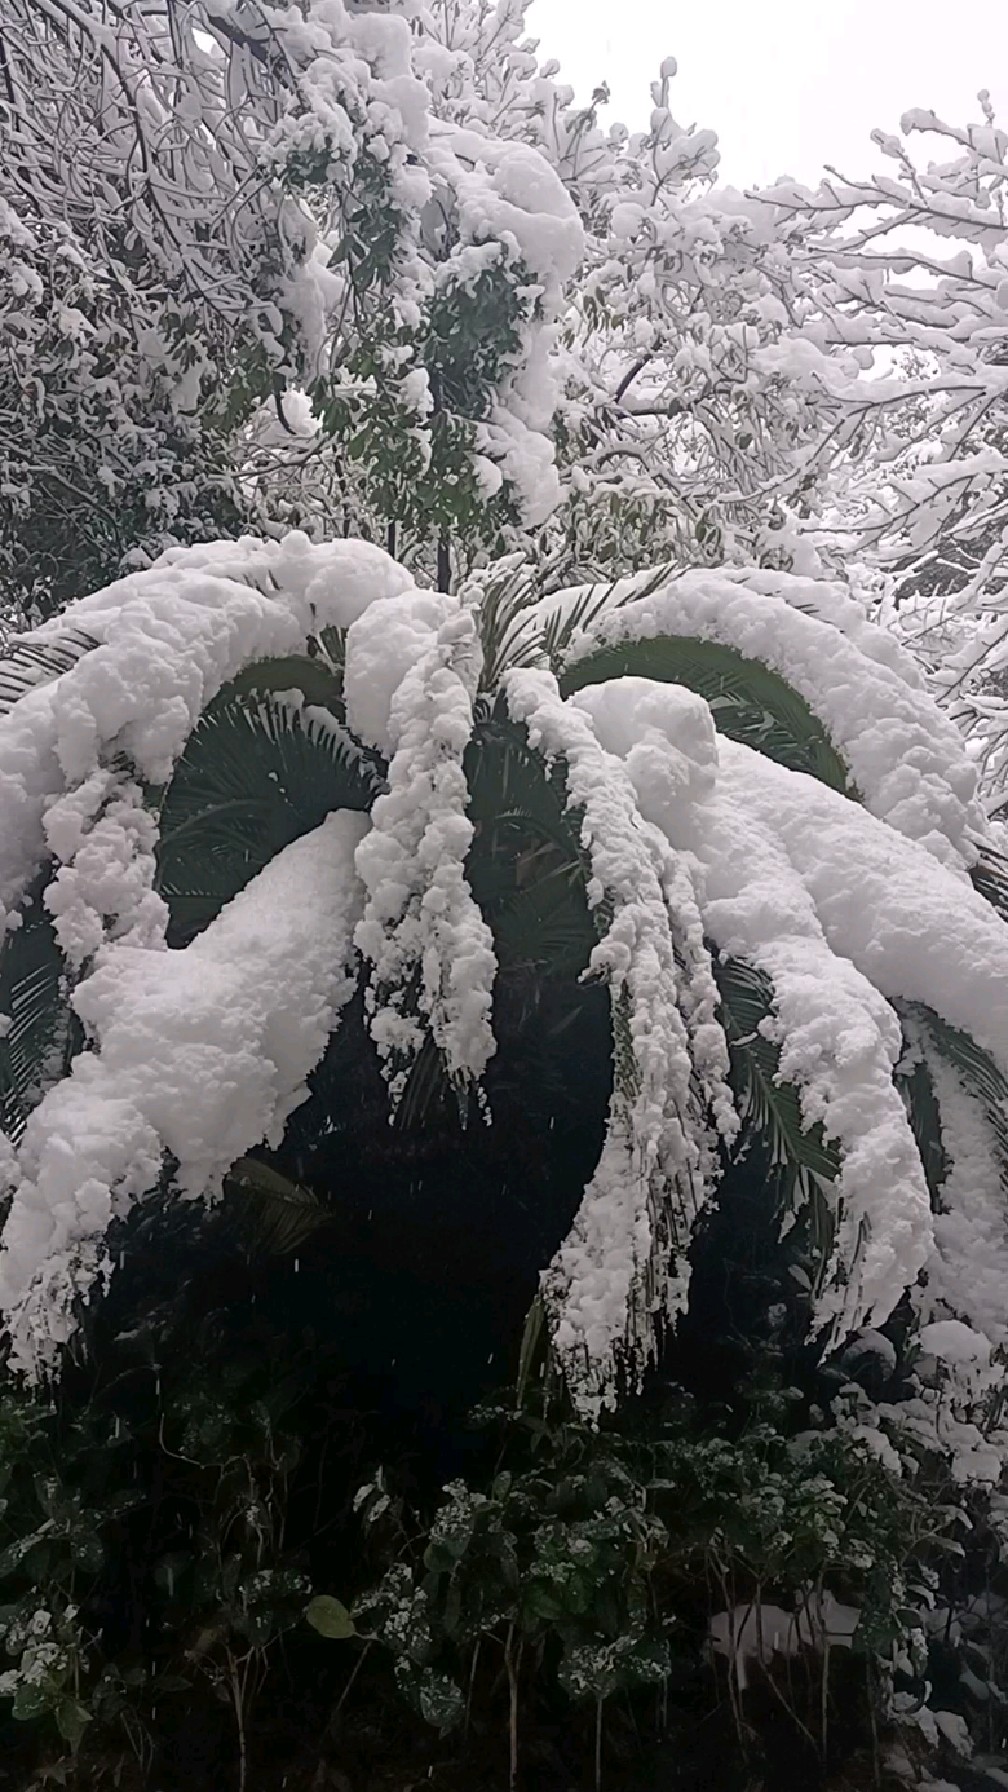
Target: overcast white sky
<point x="786" y="84"/>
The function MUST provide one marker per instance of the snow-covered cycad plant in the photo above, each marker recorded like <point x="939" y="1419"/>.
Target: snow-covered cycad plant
<point x="274" y="820"/>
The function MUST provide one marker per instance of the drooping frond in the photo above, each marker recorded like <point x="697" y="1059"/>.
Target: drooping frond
<point x="255" y="775"/>
<point x="38" y="1031"/>
<point x="272" y="1215"/>
<point x="429" y="946"/>
<point x="808" y="1164"/>
<point x="966" y="1271"/>
<point x="915" y="1079"/>
<point x="27" y="662"/>
<point x="201" y="1053"/>
<point x="975" y="1067"/>
<point x="749" y="703"/>
<point x="850" y="921"/>
<point x="901" y="755"/>
<point x="623" y="1267"/>
<point x="168" y="641"/>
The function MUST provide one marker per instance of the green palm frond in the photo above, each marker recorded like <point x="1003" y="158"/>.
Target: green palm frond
<point x="750" y="703"/>
<point x="318" y="681"/>
<point x="26" y="663"/>
<point x="427" y="1087"/>
<point x="524" y="831"/>
<point x="806" y="1162"/>
<point x="547" y="923"/>
<point x="527" y="867"/>
<point x="976" y="1068"/>
<point x="918" y="1091"/>
<point x="254" y="777"/>
<point x="990" y="879"/>
<point x="505" y="638"/>
<point x="508" y="636"/>
<point x="273" y="1215"/>
<point x="42" y="1033"/>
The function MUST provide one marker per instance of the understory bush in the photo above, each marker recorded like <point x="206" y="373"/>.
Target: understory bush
<point x="229" y="1559"/>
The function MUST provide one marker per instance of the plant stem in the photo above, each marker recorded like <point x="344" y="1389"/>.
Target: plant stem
<point x="511" y="1663"/>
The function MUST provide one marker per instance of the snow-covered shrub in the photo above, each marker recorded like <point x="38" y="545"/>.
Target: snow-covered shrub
<point x="241" y="784"/>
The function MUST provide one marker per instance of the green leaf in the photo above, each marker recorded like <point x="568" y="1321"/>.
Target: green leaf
<point x="808" y="1164"/>
<point x="751" y="703"/>
<point x="28" y="661"/>
<point x="318" y="682"/>
<point x="526" y="867"/>
<point x="43" y="1033"/>
<point x="72" y="1719"/>
<point x="978" y="1071"/>
<point x="32" y="1701"/>
<point x="253" y="778"/>
<point x="441" y="1702"/>
<point x="274" y="1215"/>
<point x="918" y="1093"/>
<point x="330" y="1617"/>
<point x="596" y="1670"/>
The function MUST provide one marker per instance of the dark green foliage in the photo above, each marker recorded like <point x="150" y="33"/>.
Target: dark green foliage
<point x="43" y="1032"/>
<point x="772" y="1107"/>
<point x="749" y="702"/>
<point x="465" y="341"/>
<point x="26" y="663"/>
<point x="201" y="1507"/>
<point x="254" y="777"/>
<point x="978" y="1072"/>
<point x="527" y="868"/>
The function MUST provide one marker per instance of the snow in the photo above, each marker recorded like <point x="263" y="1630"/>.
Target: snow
<point x="907" y="760"/>
<point x="169" y="639"/>
<point x="845" y="917"/>
<point x="384" y="643"/>
<point x="415" y="679"/>
<point x="968" y="1271"/>
<point x="912" y="926"/>
<point x="507" y="192"/>
<point x="852" y="910"/>
<point x="758" y="1632"/>
<point x="950" y="1341"/>
<point x="202" y="1053"/>
<point x="839" y="1039"/>
<point x="608" y="1281"/>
